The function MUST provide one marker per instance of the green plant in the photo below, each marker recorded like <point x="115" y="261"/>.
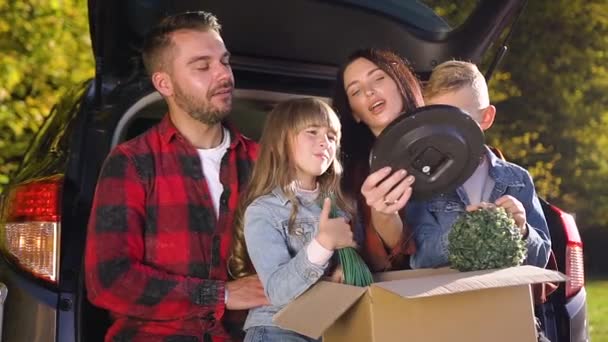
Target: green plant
<point x="355" y="270"/>
<point x="485" y="239"/>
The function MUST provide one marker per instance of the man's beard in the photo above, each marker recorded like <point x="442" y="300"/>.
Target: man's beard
<point x="200" y="108"/>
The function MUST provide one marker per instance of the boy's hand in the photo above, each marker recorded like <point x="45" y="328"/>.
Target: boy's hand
<point x="517" y="211"/>
<point x="481" y="205"/>
<point x="387" y="194"/>
<point x="333" y="233"/>
<point x="512" y="206"/>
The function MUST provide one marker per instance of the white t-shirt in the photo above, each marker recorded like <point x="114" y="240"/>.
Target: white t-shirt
<point x="479" y="186"/>
<point x="211" y="160"/>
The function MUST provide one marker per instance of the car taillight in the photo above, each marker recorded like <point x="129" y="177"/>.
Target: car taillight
<point x="575" y="269"/>
<point x="30" y="226"/>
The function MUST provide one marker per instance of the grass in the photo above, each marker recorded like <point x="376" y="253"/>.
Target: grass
<point x="597" y="302"/>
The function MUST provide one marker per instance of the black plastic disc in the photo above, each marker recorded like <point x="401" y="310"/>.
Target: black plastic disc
<point x="440" y="145"/>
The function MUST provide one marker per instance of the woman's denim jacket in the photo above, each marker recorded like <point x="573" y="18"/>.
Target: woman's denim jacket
<point x="278" y="254"/>
<point x="432" y="220"/>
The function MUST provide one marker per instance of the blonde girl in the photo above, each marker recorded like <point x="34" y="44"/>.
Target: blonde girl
<point x="284" y="232"/>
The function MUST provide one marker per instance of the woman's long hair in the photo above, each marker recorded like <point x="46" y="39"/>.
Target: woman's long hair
<point x="275" y="167"/>
<point x="357" y="138"/>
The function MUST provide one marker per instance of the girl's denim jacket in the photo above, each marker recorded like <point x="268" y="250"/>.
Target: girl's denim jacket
<point x="432" y="220"/>
<point x="278" y="254"/>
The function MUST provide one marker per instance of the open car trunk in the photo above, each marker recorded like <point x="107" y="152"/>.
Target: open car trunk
<point x="279" y="48"/>
<point x="273" y="35"/>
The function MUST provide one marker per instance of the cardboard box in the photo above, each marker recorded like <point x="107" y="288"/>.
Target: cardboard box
<point x="422" y="305"/>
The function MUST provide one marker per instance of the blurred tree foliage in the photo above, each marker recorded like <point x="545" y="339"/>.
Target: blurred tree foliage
<point x="550" y="92"/>
<point x="44" y="50"/>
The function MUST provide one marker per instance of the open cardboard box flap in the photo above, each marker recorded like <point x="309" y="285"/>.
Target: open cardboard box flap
<point x="319" y="307"/>
<point x="445" y="282"/>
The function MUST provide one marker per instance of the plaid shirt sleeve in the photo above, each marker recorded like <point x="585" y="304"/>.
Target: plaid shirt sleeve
<point x="116" y="278"/>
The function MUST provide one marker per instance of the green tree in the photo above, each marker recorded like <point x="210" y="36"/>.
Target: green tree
<point x="552" y="112"/>
<point x="44" y="49"/>
<point x="557" y="121"/>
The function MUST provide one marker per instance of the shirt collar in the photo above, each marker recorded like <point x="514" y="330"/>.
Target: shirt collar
<point x="168" y="132"/>
<point x="280" y="195"/>
<point x="502" y="171"/>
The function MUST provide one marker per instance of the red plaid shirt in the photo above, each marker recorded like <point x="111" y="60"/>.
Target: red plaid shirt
<point x="156" y="253"/>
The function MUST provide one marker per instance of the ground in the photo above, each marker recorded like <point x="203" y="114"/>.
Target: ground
<point x="597" y="301"/>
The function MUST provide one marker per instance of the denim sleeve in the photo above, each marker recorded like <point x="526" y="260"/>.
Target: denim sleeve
<point x="284" y="278"/>
<point x="430" y="237"/>
<point x="539" y="240"/>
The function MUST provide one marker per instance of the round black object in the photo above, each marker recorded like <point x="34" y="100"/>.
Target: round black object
<point x="440" y="145"/>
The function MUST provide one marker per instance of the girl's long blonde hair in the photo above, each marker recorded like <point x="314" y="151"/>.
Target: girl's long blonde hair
<point x="275" y="168"/>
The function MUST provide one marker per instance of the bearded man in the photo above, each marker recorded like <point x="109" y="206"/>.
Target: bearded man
<point x="161" y="225"/>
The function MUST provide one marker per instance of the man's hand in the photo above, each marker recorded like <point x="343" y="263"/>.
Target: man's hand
<point x="337" y="276"/>
<point x="245" y="293"/>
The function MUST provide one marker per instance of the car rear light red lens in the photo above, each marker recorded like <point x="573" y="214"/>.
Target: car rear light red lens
<point x="35" y="201"/>
<point x="575" y="267"/>
<point x="575" y="270"/>
<point x="30" y="226"/>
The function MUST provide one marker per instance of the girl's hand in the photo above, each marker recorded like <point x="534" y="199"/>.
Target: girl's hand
<point x="387" y="195"/>
<point x="333" y="233"/>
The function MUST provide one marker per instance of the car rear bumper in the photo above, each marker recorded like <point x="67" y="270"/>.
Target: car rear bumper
<point x="30" y="310"/>
<point x="565" y="322"/>
<point x="576" y="310"/>
<point x="3" y="294"/>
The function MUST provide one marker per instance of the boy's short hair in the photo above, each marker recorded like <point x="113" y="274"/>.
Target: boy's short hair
<point x="158" y="41"/>
<point x="454" y="75"/>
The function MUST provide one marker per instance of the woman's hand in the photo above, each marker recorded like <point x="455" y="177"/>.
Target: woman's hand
<point x="387" y="194"/>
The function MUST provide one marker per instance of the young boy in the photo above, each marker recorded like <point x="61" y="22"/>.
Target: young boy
<point x="495" y="181"/>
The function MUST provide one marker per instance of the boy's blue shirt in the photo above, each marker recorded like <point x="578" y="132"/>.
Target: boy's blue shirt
<point x="432" y="220"/>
